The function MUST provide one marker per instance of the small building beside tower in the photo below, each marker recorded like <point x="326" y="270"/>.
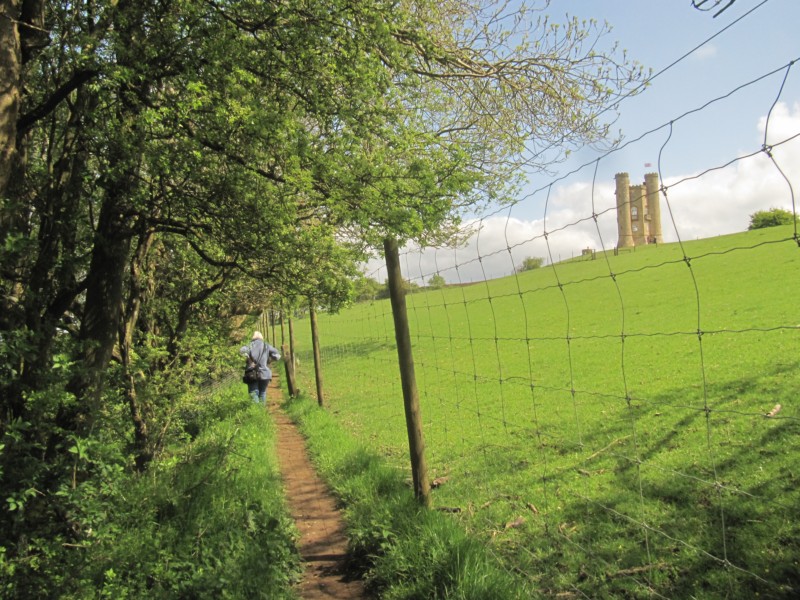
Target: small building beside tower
<point x="638" y="211"/>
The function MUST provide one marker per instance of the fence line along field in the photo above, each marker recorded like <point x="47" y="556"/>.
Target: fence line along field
<point x="618" y="427"/>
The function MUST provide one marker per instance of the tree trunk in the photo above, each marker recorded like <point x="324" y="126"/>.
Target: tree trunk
<point x="13" y="208"/>
<point x="101" y="316"/>
<point x="137" y="287"/>
<point x="53" y="282"/>
<point x="10" y="86"/>
<point x="291" y="383"/>
<point x="291" y="344"/>
<point x="288" y="358"/>
<point x="21" y="35"/>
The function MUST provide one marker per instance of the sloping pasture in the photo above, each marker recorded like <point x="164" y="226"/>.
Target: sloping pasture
<point x="620" y="427"/>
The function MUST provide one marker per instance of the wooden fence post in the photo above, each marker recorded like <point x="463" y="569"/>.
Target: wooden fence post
<point x="315" y="343"/>
<point x="416" y="442"/>
<point x="263" y="325"/>
<point x="291" y="343"/>
<point x="288" y="365"/>
<point x="287" y="350"/>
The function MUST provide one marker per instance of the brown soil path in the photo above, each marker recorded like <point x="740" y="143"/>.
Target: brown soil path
<point x="322" y="545"/>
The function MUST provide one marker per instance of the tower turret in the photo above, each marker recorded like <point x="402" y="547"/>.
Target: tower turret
<point x="623" y="211"/>
<point x="638" y="221"/>
<point x="654" y="207"/>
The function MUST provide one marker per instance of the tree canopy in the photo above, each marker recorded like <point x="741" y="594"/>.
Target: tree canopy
<point x="771" y="218"/>
<point x="168" y="164"/>
<point x="530" y="263"/>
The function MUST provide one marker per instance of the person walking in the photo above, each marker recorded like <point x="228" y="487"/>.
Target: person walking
<point x="259" y="354"/>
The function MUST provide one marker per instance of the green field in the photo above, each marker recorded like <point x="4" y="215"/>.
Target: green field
<point x="601" y="424"/>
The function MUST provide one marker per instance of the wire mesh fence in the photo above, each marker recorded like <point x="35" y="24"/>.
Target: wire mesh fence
<point x="621" y="421"/>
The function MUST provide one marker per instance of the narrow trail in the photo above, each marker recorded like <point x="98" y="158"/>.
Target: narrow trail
<point x="322" y="545"/>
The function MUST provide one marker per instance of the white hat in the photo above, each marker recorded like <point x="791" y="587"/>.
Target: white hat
<point x="257" y="336"/>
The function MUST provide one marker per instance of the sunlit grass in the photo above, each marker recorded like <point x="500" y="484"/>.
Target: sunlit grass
<point x="402" y="550"/>
<point x="612" y="410"/>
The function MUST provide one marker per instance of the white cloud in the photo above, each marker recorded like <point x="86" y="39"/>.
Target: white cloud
<point x="721" y="201"/>
<point x="705" y="52"/>
<point x="702" y="205"/>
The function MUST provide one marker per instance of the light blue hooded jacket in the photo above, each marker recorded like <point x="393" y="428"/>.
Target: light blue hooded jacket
<point x="262" y="353"/>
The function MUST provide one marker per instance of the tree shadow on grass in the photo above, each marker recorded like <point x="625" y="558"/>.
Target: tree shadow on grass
<point x="687" y="512"/>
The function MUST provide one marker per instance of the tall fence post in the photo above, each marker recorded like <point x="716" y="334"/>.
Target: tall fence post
<point x="259" y="324"/>
<point x="287" y="350"/>
<point x="416" y="442"/>
<point x="291" y="343"/>
<point x="312" y="312"/>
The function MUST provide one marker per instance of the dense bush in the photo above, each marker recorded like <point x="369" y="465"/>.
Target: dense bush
<point x="771" y="218"/>
<point x="207" y="520"/>
<point x="530" y="263"/>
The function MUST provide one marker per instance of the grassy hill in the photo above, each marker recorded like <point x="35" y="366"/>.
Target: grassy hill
<point x="602" y="424"/>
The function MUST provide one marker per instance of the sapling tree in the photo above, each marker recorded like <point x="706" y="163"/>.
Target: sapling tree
<point x="471" y="102"/>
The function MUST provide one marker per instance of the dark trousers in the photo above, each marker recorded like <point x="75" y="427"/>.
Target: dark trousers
<point x="258" y="390"/>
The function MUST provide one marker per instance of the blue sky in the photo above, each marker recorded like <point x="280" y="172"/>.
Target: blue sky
<point x="748" y="40"/>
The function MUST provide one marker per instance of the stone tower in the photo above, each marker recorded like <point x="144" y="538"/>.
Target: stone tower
<point x="623" y="210"/>
<point x="653" y="206"/>
<point x="638" y="211"/>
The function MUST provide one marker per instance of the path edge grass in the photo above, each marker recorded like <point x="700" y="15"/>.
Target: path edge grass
<point x="399" y="548"/>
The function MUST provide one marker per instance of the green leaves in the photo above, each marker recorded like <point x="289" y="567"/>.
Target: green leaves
<point x="226" y="155"/>
<point x="771" y="218"/>
<point x="18" y="503"/>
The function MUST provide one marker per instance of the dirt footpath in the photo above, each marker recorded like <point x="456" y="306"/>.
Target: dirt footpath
<point x="322" y="545"/>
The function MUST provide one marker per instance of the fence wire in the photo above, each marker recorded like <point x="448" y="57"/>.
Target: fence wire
<point x="620" y="423"/>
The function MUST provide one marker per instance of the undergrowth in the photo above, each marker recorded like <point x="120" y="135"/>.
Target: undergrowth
<point x="208" y="520"/>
